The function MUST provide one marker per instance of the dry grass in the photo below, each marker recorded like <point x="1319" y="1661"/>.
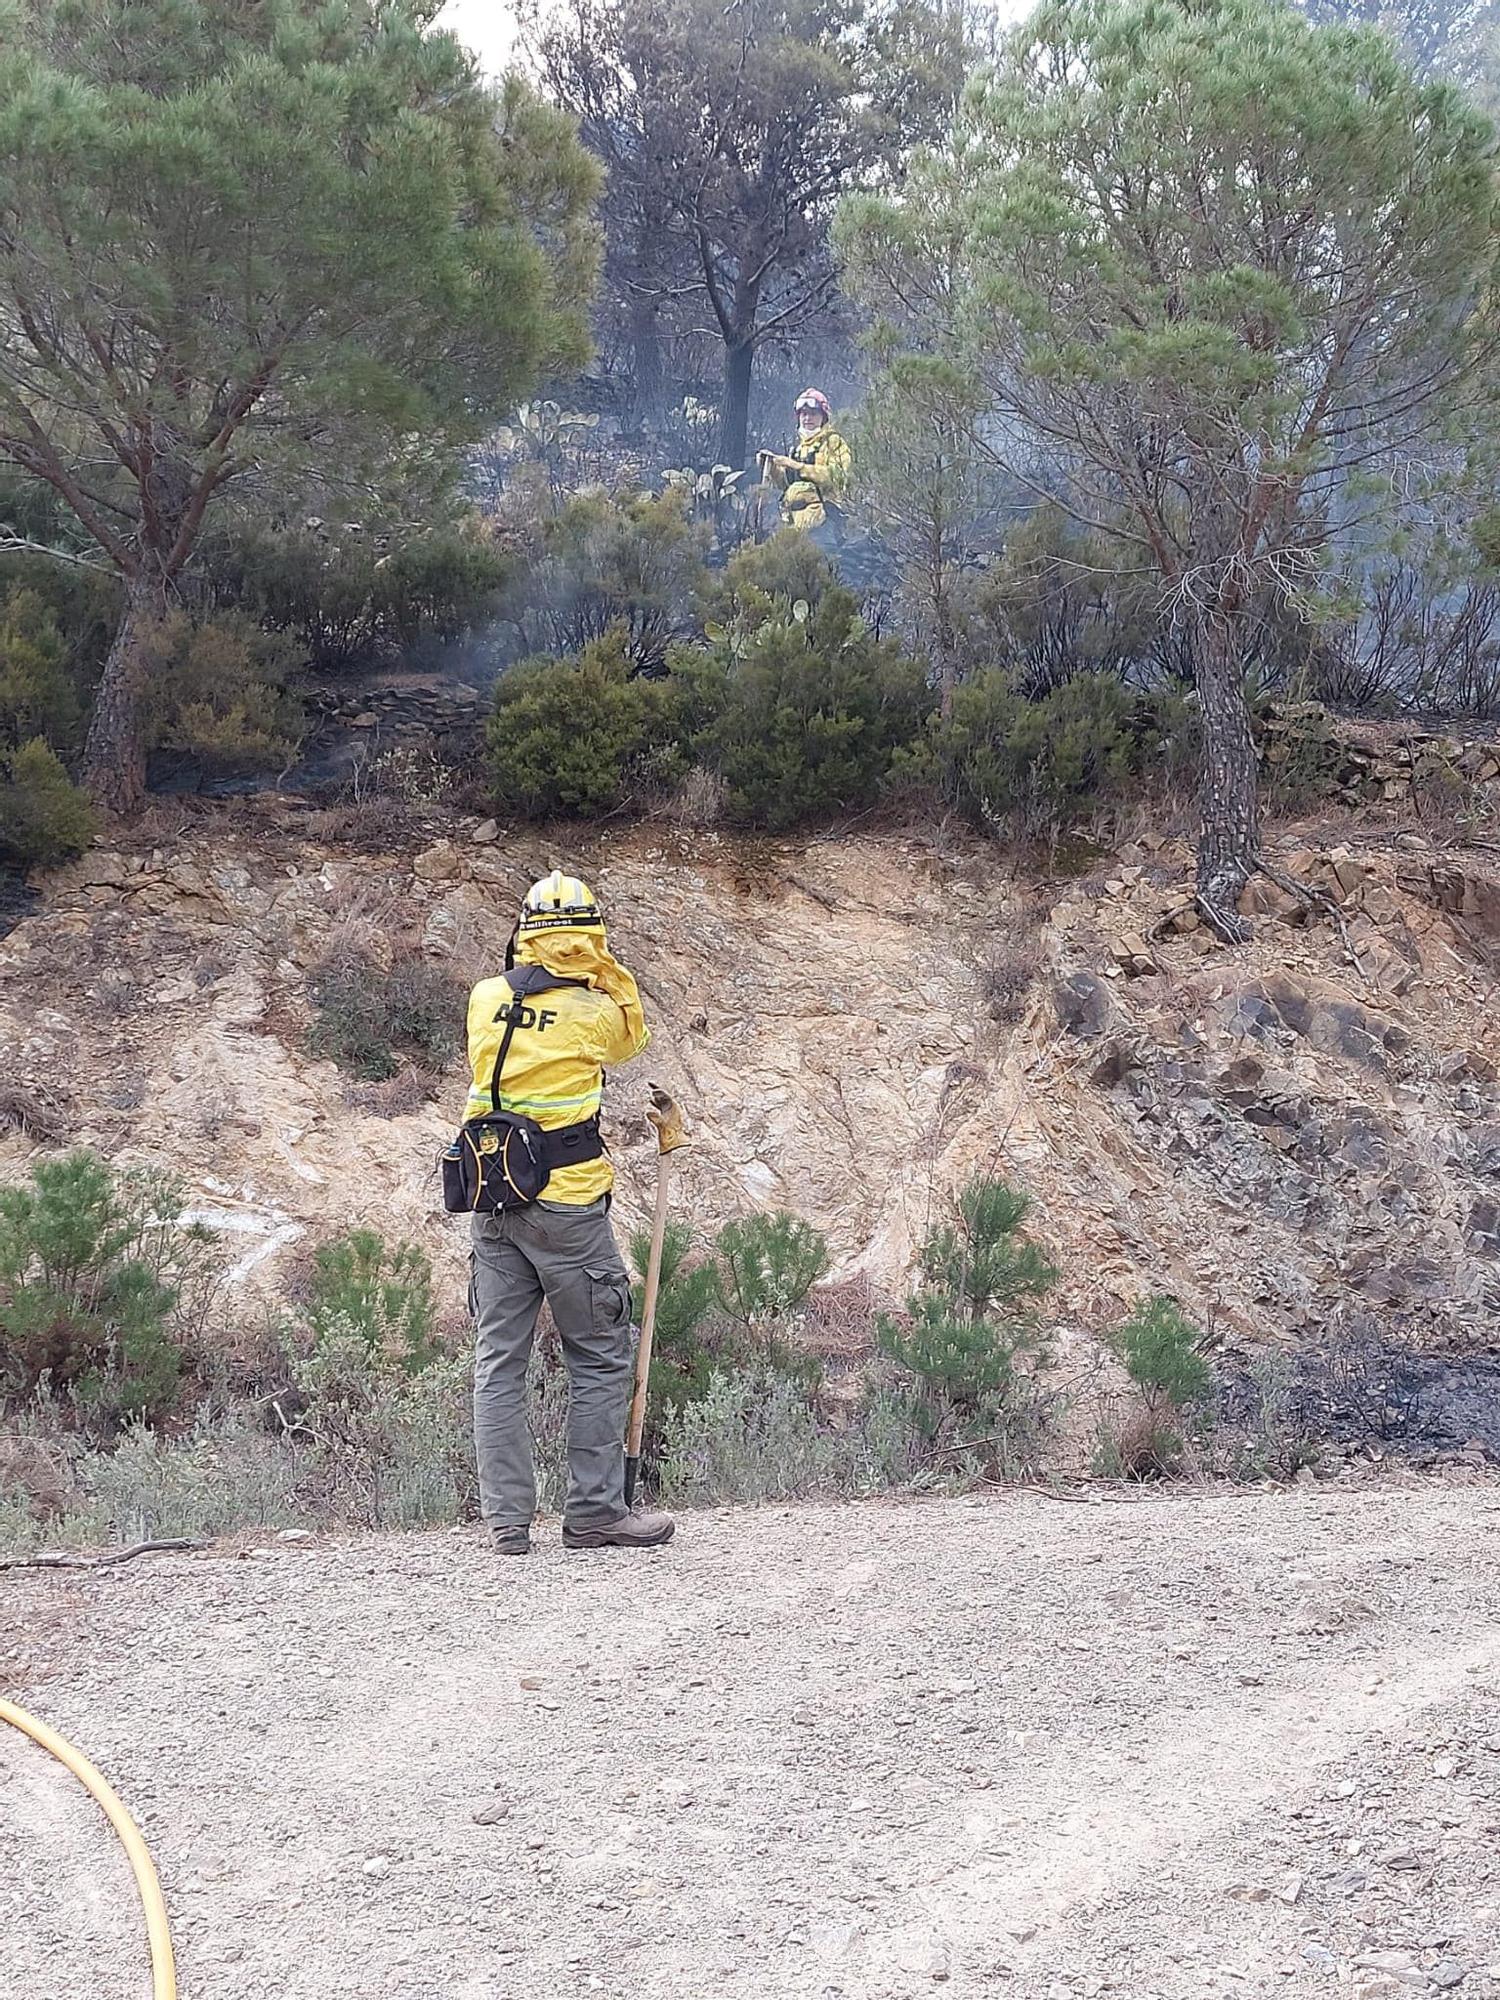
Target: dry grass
<point x="1007" y="973"/>
<point x="1450" y="807"/>
<point x="36" y="1110"/>
<point x="839" y="1319"/>
<point x="398" y="1096"/>
<point x="36" y="1470"/>
<point x="119" y="994"/>
<point x="473" y="944"/>
<point x="699" y="800"/>
<point x="382" y="822"/>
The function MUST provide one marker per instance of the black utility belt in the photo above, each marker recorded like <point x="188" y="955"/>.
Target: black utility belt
<point x="502" y="1160"/>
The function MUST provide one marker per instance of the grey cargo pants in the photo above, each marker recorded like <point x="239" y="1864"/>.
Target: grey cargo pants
<point x="567" y="1255"/>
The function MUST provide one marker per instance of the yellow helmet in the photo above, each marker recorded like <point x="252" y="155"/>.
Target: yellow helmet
<point x="559" y="903"/>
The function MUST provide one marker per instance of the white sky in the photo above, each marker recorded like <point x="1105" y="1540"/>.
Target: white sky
<point x="488" y="27"/>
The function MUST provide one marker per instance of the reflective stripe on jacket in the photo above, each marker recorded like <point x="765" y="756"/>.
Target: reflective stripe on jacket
<point x="554" y="1071"/>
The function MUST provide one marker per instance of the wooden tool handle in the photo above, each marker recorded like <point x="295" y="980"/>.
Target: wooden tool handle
<point x="637" y="1423"/>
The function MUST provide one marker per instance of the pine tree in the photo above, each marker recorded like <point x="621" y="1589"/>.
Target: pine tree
<point x="1204" y="260"/>
<point x="323" y="240"/>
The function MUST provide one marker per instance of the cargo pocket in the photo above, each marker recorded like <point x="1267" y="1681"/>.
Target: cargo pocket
<point x="609" y="1301"/>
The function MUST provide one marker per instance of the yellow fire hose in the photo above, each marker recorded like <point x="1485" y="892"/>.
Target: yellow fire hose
<point x="163" y="1974"/>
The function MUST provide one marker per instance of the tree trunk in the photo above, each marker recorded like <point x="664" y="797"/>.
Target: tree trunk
<point x="114" y="755"/>
<point x="734" y="420"/>
<point x="1229" y="834"/>
<point x="646" y="368"/>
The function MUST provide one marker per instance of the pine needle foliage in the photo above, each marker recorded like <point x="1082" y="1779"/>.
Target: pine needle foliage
<point x="381" y="1293"/>
<point x="972" y="1332"/>
<point x="92" y="1274"/>
<point x="1162" y="1354"/>
<point x="768" y="1264"/>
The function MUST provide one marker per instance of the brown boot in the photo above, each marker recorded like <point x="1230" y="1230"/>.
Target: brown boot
<point x="631" y="1531"/>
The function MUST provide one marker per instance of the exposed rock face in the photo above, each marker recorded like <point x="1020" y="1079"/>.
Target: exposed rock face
<point x="1284" y="1139"/>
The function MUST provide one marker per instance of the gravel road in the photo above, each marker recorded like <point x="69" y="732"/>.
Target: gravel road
<point x="1244" y="1744"/>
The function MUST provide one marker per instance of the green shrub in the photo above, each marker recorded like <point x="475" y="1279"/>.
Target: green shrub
<point x="94" y="1280"/>
<point x="766" y="578"/>
<point x="379" y="1293"/>
<point x="1162" y="1353"/>
<point x="708" y="1312"/>
<point x="56" y="621"/>
<point x="971" y="1334"/>
<point x="628" y="570"/>
<point x="347" y="599"/>
<point x="683" y="1357"/>
<point x="769" y="1264"/>
<point x="1061" y="600"/>
<point x="1000" y="758"/>
<point x="368" y="1019"/>
<point x="808" y="711"/>
<point x="39" y="696"/>
<point x="584" y="735"/>
<point x="44" y="817"/>
<point x="218" y="693"/>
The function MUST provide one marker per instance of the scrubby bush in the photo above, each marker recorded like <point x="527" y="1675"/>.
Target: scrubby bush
<point x="717" y="1311"/>
<point x="631" y="570"/>
<point x="1302" y="756"/>
<point x="972" y="1335"/>
<point x="807" y="711"/>
<point x="391" y="1447"/>
<point x="755" y="1435"/>
<point x="1003" y="760"/>
<point x="684" y="1348"/>
<point x="64" y="610"/>
<point x="381" y="1293"/>
<point x="1061" y="600"/>
<point x="752" y="1436"/>
<point x="348" y="594"/>
<point x="39" y="693"/>
<point x="766" y="577"/>
<point x="1162" y="1353"/>
<point x="768" y="1264"/>
<point x="218" y="693"/>
<point x="96" y="1283"/>
<point x="371" y="1019"/>
<point x="44" y="817"/>
<point x="583" y="736"/>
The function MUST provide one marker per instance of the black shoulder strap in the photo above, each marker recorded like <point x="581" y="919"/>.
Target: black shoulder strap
<point x="500" y="1054"/>
<point x="523" y="981"/>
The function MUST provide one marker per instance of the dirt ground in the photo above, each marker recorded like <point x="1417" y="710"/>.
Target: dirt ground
<point x="1244" y="1744"/>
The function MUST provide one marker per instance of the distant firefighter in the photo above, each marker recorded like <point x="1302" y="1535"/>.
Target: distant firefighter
<point x="813" y="478"/>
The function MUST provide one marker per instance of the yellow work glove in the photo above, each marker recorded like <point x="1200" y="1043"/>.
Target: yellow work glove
<point x="666" y="1115"/>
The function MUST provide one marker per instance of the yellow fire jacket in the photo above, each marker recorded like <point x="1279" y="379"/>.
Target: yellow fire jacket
<point x="554" y="1070"/>
<point x="822" y="479"/>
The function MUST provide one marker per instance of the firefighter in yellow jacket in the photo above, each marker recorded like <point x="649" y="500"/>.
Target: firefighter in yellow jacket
<point x="540" y="1036"/>
<point x="813" y="477"/>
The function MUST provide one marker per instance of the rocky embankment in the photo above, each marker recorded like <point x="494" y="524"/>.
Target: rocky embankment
<point x="1298" y="1137"/>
